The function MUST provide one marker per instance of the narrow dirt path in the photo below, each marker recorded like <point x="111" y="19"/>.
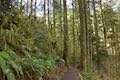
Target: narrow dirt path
<point x="71" y="74"/>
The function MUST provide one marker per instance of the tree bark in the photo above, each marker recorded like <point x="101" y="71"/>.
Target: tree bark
<point x="73" y="33"/>
<point x="83" y="38"/>
<point x="65" y="52"/>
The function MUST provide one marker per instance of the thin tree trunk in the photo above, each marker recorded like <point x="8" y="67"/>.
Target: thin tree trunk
<point x="21" y="7"/>
<point x="61" y="26"/>
<point x="54" y="21"/>
<point x="48" y="4"/>
<point x="96" y="32"/>
<point x="45" y="10"/>
<point x="31" y="8"/>
<point x="27" y="7"/>
<point x="35" y="9"/>
<point x="73" y="33"/>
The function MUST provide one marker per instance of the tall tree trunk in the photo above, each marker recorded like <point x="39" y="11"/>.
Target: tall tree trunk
<point x="73" y="32"/>
<point x="65" y="52"/>
<point x="61" y="26"/>
<point x="83" y="38"/>
<point x="91" y="47"/>
<point x="89" y="37"/>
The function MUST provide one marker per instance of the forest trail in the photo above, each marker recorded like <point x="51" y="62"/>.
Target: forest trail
<point x="71" y="74"/>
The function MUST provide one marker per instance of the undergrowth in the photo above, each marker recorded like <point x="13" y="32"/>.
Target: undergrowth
<point x="25" y="48"/>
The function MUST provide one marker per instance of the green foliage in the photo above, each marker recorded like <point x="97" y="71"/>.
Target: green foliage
<point x="88" y="75"/>
<point x="9" y="64"/>
<point x="41" y="39"/>
<point x="99" y="58"/>
<point x="39" y="65"/>
<point x="15" y="31"/>
<point x="60" y="61"/>
<point x="29" y="39"/>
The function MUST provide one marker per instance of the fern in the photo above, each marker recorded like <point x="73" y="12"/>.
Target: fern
<point x="37" y="64"/>
<point x="8" y="64"/>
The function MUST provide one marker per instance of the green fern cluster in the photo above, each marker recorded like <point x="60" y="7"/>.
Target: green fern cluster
<point x="13" y="66"/>
<point x="9" y="64"/>
<point x="40" y="66"/>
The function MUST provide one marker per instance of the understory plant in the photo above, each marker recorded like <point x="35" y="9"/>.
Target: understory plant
<point x="24" y="46"/>
<point x="9" y="64"/>
<point x="12" y="65"/>
<point x="88" y="75"/>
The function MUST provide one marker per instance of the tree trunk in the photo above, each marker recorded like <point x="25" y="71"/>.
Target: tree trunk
<point x="35" y="10"/>
<point x="83" y="38"/>
<point x="61" y="25"/>
<point x="73" y="33"/>
<point x="96" y="32"/>
<point x="54" y="21"/>
<point x="65" y="52"/>
<point x="48" y="5"/>
<point x="27" y="7"/>
<point x="45" y="10"/>
<point x="31" y="8"/>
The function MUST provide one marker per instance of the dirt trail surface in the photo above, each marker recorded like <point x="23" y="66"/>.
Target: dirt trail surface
<point x="71" y="74"/>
